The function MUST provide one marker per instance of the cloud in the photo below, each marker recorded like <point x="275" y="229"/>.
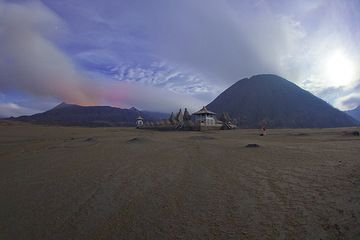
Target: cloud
<point x="146" y="97"/>
<point x="14" y="110"/>
<point x="165" y="54"/>
<point x="224" y="40"/>
<point x="349" y="101"/>
<point x="30" y="62"/>
<point x="162" y="75"/>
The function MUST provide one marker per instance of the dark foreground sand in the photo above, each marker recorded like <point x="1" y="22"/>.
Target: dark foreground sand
<point x="113" y="183"/>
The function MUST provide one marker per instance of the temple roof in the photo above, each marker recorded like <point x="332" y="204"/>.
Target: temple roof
<point x="179" y="117"/>
<point x="204" y="111"/>
<point x="140" y="118"/>
<point x="187" y="116"/>
<point x="172" y="118"/>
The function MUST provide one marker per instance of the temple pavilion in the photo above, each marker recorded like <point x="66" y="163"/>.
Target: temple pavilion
<point x="205" y="117"/>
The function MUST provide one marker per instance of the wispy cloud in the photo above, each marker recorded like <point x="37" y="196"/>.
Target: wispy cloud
<point x="14" y="110"/>
<point x="349" y="101"/>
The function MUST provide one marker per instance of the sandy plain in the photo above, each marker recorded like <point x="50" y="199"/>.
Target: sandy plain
<point x="123" y="183"/>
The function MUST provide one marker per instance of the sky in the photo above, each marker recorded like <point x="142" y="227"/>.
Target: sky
<point x="161" y="55"/>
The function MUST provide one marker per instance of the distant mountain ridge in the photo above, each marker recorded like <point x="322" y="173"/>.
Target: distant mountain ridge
<point x="355" y="113"/>
<point x="76" y="115"/>
<point x="250" y="101"/>
<point x="278" y="102"/>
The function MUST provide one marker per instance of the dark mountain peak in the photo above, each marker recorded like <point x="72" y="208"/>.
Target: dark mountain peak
<point x="134" y="109"/>
<point x="267" y="80"/>
<point x="267" y="77"/>
<point x="64" y="105"/>
<point x="279" y="102"/>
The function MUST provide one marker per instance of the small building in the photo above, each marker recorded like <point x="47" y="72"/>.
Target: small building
<point x="139" y="122"/>
<point x="204" y="117"/>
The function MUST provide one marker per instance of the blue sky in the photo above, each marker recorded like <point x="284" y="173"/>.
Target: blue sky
<point x="161" y="55"/>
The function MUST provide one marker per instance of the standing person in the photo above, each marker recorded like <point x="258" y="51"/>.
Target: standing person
<point x="263" y="128"/>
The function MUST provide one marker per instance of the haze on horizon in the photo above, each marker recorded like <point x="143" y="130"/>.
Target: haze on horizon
<point x="168" y="54"/>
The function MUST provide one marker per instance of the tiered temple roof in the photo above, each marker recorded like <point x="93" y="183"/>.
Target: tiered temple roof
<point x="179" y="117"/>
<point x="204" y="111"/>
<point x="187" y="116"/>
<point x="172" y="118"/>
